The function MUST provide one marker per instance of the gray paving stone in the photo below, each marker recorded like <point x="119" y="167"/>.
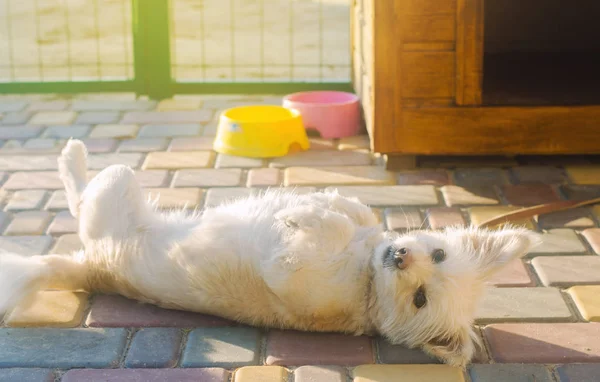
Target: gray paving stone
<point x="28" y="223"/>
<point x="63" y="223"/>
<point x="196" y="116"/>
<point x="34" y="180"/>
<point x="510" y="373"/>
<point x="221" y="347"/>
<point x="101" y="161"/>
<point x="26" y="200"/>
<point x="323" y="158"/>
<point x="152" y="178"/>
<point x="376" y="196"/>
<point x="147" y="375"/>
<point x="94" y="105"/>
<point x="143" y="145"/>
<point x="26" y="375"/>
<point x="474" y="177"/>
<point x="217" y="196"/>
<point x="522" y="305"/>
<point x="579" y="372"/>
<point x="66" y="131"/>
<point x="20" y="132"/>
<point x="226" y="177"/>
<point x="175" y="130"/>
<point x="25" y="245"/>
<point x="28" y="162"/>
<point x="97" y="117"/>
<point x="61" y="348"/>
<point x="16" y="118"/>
<point x="559" y="241"/>
<point x="564" y="271"/>
<point x="398" y="354"/>
<point x="154" y="347"/>
<point x="6" y="106"/>
<point x="57" y="201"/>
<point x="228" y="161"/>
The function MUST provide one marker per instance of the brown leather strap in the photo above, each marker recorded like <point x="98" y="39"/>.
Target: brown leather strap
<point x="529" y="212"/>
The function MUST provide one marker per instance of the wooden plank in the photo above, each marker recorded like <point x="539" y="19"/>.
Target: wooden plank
<point x="427" y="75"/>
<point x="469" y="52"/>
<point x="429" y="28"/>
<point x="412" y="103"/>
<point x="429" y="46"/>
<point x="425" y="7"/>
<point x="496" y="131"/>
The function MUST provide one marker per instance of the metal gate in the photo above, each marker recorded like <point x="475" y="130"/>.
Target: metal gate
<point x="164" y="47"/>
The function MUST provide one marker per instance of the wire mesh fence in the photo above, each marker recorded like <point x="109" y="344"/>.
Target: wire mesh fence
<point x="97" y="42"/>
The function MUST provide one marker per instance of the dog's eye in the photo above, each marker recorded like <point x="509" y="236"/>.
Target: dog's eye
<point x="438" y="256"/>
<point x="420" y="299"/>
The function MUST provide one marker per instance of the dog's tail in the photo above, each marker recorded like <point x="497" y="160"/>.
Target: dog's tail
<point x="72" y="169"/>
<point x="21" y="277"/>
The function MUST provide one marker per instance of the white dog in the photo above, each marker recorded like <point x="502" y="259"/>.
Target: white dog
<point x="317" y="262"/>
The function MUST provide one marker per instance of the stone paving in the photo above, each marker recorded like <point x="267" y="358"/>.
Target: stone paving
<point x="539" y="322"/>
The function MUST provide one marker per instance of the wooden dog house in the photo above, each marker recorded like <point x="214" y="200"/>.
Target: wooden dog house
<point x="478" y="77"/>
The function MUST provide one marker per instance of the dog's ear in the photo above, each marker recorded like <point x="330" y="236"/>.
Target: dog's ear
<point x="494" y="249"/>
<point x="455" y="349"/>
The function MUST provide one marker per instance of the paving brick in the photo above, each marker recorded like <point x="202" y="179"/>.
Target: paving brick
<point x="66" y="244"/>
<point x="147" y="375"/>
<point x="544" y="343"/>
<point x="463" y="196"/>
<point x="116" y="311"/>
<point x="261" y="177"/>
<point x="559" y="241"/>
<point x="319" y="374"/>
<point x="217" y="196"/>
<point x="143" y="145"/>
<point x="318" y="143"/>
<point x="16" y="118"/>
<point x="510" y="373"/>
<point x="227" y="161"/>
<point x="404" y="219"/>
<point x="424" y="177"/>
<point x="357" y="142"/>
<point x="12" y="106"/>
<point x="178" y="160"/>
<point x="33" y="180"/>
<point x="391" y="195"/>
<point x="56" y="105"/>
<point x="35" y="145"/>
<point x="587" y="300"/>
<point x="179" y="104"/>
<point x="401" y="373"/>
<point x="61" y="348"/>
<point x="57" y="201"/>
<point x="567" y="270"/>
<point x="581" y="192"/>
<point x="152" y="178"/>
<point x="442" y="217"/>
<point x="187" y="116"/>
<point x="207" y="178"/>
<point x="66" y="131"/>
<point x="221" y="347"/>
<point x="529" y="194"/>
<point x="210" y="129"/>
<point x="538" y="174"/>
<point x="59" y="309"/>
<point x="578" y="372"/>
<point x="261" y="374"/>
<point x="173" y="130"/>
<point x="28" y="223"/>
<point x="169" y="198"/>
<point x="301" y="348"/>
<point x="584" y="174"/>
<point x="398" y="354"/>
<point x="53" y="118"/>
<point x="514" y="274"/>
<point x="96" y="117"/>
<point x="323" y="158"/>
<point x="100" y="145"/>
<point x="20" y="132"/>
<point x="111" y="105"/>
<point x="576" y="218"/>
<point x="63" y="223"/>
<point x="342" y="175"/>
<point x="592" y="236"/>
<point x="26" y="375"/>
<point x="522" y="305"/>
<point x="26" y="200"/>
<point x="191" y="144"/>
<point x="479" y="177"/>
<point x="25" y="245"/>
<point x="101" y="161"/>
<point x="156" y="347"/>
<point x="480" y="214"/>
<point x="27" y="162"/>
<point x="107" y="130"/>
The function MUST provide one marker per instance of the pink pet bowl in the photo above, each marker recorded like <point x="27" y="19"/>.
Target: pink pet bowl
<point x="333" y="114"/>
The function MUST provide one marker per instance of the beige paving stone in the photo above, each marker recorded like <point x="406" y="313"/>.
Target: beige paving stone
<point x="56" y="105"/>
<point x="230" y="161"/>
<point x="407" y="373"/>
<point x="175" y="197"/>
<point x="320" y="374"/>
<point x="560" y="240"/>
<point x="186" y="116"/>
<point x="53" y="118"/>
<point x="28" y="162"/>
<point x="562" y="271"/>
<point x="66" y="244"/>
<point x="217" y="196"/>
<point x="358" y="142"/>
<point x="58" y="309"/>
<point x="584" y="174"/>
<point x="391" y="195"/>
<point x="8" y="106"/>
<point x="587" y="300"/>
<point x="179" y="104"/>
<point x="100" y="145"/>
<point x="143" y="145"/>
<point x="323" y="158"/>
<point x="98" y="117"/>
<point x="28" y="223"/>
<point x="63" y="223"/>
<point x="592" y="236"/>
<point x="192" y="144"/>
<point x="125" y="131"/>
<point x="225" y="177"/>
<point x="111" y="104"/>
<point x="461" y="196"/>
<point x="337" y="175"/>
<point x="480" y="214"/>
<point x="26" y="200"/>
<point x="260" y="374"/>
<point x="404" y="219"/>
<point x="101" y="161"/>
<point x="167" y="160"/>
<point x="170" y="130"/>
<point x="514" y="274"/>
<point x="66" y="131"/>
<point x="261" y="177"/>
<point x="25" y="245"/>
<point x="210" y="129"/>
<point x="152" y="178"/>
<point x="57" y="201"/>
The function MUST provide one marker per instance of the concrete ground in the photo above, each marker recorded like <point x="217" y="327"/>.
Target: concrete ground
<point x="538" y="321"/>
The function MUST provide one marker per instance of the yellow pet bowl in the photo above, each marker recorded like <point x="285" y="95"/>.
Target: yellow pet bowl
<point x="260" y="132"/>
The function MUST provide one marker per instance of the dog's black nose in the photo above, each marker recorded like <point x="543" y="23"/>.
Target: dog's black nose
<point x="403" y="258"/>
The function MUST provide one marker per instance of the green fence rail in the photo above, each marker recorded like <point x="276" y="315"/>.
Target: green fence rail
<point x="164" y="47"/>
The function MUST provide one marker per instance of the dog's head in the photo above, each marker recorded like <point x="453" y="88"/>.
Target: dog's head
<point x="428" y="284"/>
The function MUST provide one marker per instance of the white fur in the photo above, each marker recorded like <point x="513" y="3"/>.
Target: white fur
<point x="308" y="262"/>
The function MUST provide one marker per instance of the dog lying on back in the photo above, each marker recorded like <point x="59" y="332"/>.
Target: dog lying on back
<point x="315" y="262"/>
